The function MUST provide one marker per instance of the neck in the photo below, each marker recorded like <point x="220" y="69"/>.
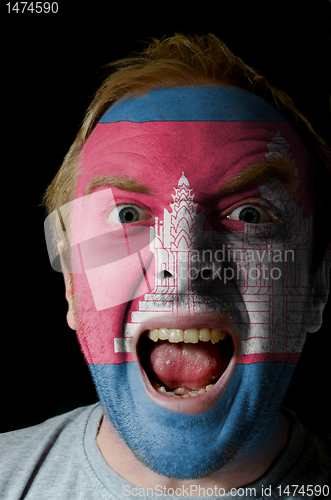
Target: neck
<point x="239" y="473"/>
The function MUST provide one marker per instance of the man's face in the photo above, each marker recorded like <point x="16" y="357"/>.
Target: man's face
<point x="194" y="291"/>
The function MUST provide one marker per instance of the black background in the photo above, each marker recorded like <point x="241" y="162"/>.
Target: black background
<point x="50" y="67"/>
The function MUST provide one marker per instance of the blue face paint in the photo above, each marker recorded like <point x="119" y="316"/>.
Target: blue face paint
<point x="184" y="144"/>
<point x="194" y="446"/>
<point x="192" y="104"/>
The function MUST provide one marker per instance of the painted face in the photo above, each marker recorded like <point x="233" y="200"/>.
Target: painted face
<point x="191" y="272"/>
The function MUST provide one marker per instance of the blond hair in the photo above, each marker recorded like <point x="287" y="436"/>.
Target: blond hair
<point x="183" y="60"/>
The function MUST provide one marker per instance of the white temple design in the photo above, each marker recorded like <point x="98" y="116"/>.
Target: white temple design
<point x="180" y="235"/>
<point x="176" y="237"/>
<point x="278" y="147"/>
<point x="172" y="241"/>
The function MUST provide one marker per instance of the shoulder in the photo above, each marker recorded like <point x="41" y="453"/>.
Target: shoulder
<point x="14" y="443"/>
<point x="307" y="459"/>
<point x="316" y="458"/>
<point x="316" y="449"/>
<point x="46" y="446"/>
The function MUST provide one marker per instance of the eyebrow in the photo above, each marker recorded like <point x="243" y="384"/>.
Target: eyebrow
<point x="125" y="183"/>
<point x="268" y="167"/>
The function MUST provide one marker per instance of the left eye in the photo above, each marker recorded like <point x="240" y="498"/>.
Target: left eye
<point x="250" y="214"/>
<point x="126" y="214"/>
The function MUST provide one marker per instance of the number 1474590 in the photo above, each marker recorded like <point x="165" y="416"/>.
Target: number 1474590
<point x="32" y="7"/>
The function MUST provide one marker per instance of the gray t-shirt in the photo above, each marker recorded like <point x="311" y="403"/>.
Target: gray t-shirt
<point x="60" y="460"/>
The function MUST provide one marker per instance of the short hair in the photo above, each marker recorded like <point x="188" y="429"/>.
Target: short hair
<point x="186" y="60"/>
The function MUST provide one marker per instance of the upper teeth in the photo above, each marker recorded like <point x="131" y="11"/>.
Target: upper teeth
<point x="190" y="335"/>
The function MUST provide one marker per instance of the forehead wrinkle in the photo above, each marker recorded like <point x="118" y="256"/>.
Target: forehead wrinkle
<point x="266" y="168"/>
<point x="119" y="132"/>
<point x="125" y="183"/>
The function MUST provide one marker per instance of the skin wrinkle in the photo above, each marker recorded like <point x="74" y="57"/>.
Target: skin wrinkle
<point x="260" y="172"/>
<point x="251" y="176"/>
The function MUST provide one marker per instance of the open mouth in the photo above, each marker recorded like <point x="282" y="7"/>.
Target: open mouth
<point x="184" y="363"/>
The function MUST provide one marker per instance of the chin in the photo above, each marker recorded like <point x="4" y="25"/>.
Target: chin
<point x="189" y="429"/>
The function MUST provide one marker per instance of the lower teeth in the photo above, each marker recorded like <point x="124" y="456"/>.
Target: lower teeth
<point x="191" y="394"/>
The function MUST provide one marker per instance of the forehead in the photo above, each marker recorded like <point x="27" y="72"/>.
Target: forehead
<point x="210" y="133"/>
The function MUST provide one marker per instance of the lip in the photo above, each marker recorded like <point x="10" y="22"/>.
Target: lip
<point x="212" y="320"/>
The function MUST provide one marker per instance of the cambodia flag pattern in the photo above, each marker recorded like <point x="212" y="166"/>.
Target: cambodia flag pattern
<point x="199" y="133"/>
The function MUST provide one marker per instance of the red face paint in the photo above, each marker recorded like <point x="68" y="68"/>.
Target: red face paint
<point x="155" y="155"/>
<point x="141" y="275"/>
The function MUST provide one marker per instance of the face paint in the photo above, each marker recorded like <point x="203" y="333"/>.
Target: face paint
<point x="183" y="145"/>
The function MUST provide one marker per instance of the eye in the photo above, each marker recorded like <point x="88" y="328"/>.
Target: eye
<point x="250" y="214"/>
<point x="126" y="214"/>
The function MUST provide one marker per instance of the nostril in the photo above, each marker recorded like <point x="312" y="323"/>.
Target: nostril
<point x="206" y="274"/>
<point x="165" y="274"/>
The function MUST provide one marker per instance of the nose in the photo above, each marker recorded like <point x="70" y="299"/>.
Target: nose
<point x="181" y="239"/>
<point x="187" y="270"/>
<point x="185" y="266"/>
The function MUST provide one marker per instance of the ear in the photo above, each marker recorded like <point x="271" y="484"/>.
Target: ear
<point x="320" y="293"/>
<point x="71" y="319"/>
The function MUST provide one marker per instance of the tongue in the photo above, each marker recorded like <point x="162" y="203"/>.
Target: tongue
<point x="192" y="366"/>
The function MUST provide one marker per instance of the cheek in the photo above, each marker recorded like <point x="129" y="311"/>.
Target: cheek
<point x="97" y="330"/>
<point x="111" y="268"/>
<point x="271" y="276"/>
<point x="102" y="295"/>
